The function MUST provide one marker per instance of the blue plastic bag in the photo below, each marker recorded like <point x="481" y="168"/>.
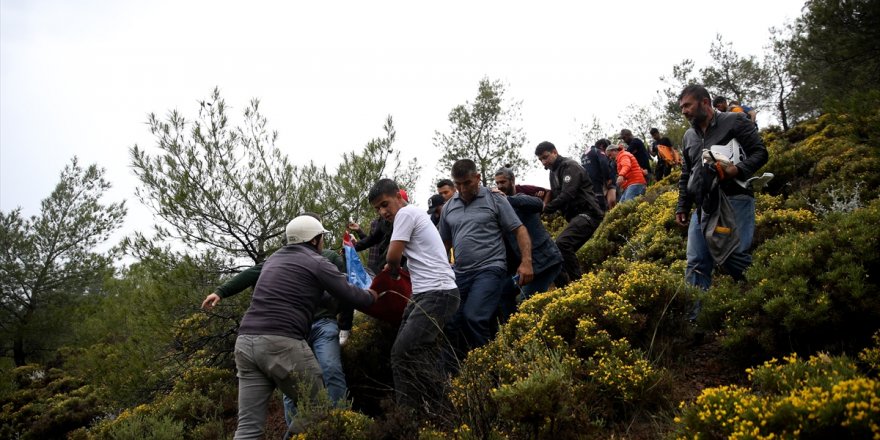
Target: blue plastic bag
<point x="357" y="275"/>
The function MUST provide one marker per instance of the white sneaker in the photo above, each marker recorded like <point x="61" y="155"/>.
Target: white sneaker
<point x="343" y="336"/>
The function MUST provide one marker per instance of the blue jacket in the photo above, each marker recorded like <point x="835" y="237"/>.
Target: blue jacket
<point x="544" y="250"/>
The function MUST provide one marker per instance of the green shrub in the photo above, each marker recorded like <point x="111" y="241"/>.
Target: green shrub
<point x="146" y="426"/>
<point x="642" y="230"/>
<point x="822" y="397"/>
<point x="199" y="400"/>
<point x="811" y="291"/>
<point x="366" y="359"/>
<point x="571" y="362"/>
<point x="829" y="152"/>
<point x="48" y="404"/>
<point x="337" y="424"/>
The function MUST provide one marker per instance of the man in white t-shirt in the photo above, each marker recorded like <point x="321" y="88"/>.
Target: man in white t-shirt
<point x="415" y="356"/>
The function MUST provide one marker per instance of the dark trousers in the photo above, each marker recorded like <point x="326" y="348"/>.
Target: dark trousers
<point x="580" y="228"/>
<point x="480" y="292"/>
<point x="661" y="170"/>
<point x="415" y="356"/>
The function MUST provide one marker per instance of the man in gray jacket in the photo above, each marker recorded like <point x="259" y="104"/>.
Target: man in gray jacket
<point x="272" y="349"/>
<point x="709" y="128"/>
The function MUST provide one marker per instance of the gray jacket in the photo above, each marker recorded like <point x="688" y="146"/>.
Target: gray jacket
<point x="723" y="128"/>
<point x="289" y="289"/>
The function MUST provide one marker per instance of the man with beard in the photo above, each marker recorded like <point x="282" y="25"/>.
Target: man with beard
<point x="571" y="193"/>
<point x="546" y="258"/>
<point x="711" y="127"/>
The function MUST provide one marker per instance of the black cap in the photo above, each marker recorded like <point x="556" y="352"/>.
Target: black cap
<point x="435" y="201"/>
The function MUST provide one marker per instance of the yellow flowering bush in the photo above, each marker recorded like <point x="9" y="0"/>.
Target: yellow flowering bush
<point x="821" y="397"/>
<point x="198" y="402"/>
<point x="566" y="359"/>
<point x="827" y="152"/>
<point x="871" y="355"/>
<point x="337" y="424"/>
<point x="642" y="230"/>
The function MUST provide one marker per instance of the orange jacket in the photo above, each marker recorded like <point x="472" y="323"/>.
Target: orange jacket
<point x="628" y="168"/>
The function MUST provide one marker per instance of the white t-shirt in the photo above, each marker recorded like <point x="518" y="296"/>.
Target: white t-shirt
<point x="426" y="255"/>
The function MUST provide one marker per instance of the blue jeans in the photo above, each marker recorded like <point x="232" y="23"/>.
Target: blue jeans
<point x="541" y="282"/>
<point x="480" y="292"/>
<point x="324" y="340"/>
<point x="632" y="191"/>
<point x="513" y="294"/>
<point x="699" y="260"/>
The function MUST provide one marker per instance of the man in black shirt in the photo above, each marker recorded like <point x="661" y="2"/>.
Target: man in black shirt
<point x="636" y="147"/>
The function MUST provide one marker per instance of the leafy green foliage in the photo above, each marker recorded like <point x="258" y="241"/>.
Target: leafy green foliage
<point x="829" y="152"/>
<point x="230" y="189"/>
<point x="835" y="56"/>
<point x="484" y="131"/>
<point x="48" y="262"/>
<point x="47" y="403"/>
<point x="227" y="188"/>
<point x="811" y="290"/>
<point x="346" y="199"/>
<point x="641" y="229"/>
<point x="141" y="336"/>
<point x="734" y="76"/>
<point x="200" y="398"/>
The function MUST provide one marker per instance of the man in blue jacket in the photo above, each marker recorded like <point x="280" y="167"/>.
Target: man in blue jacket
<point x="546" y="258"/>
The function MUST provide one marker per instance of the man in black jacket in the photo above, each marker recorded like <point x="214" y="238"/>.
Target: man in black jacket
<point x="710" y="128"/>
<point x="596" y="164"/>
<point x="572" y="195"/>
<point x="637" y="148"/>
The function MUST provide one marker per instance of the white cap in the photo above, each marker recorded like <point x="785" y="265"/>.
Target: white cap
<point x="303" y="228"/>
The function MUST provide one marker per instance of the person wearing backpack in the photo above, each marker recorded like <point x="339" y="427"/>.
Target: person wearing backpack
<point x="667" y="158"/>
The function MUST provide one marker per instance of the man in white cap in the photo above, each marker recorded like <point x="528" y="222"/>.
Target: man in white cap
<point x="272" y="349"/>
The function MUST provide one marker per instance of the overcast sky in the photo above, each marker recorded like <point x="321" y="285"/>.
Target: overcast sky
<point x="79" y="77"/>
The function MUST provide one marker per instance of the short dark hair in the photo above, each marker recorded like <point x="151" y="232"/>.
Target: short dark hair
<point x="654" y="130"/>
<point x="719" y="100"/>
<point x="463" y="168"/>
<point x="665" y="141"/>
<point x="602" y="143"/>
<point x="445" y="182"/>
<point x="506" y="171"/>
<point x="383" y="187"/>
<point x="544" y="147"/>
<point x="695" y="90"/>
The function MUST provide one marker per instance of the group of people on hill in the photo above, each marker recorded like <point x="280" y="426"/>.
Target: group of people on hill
<point x="473" y="256"/>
